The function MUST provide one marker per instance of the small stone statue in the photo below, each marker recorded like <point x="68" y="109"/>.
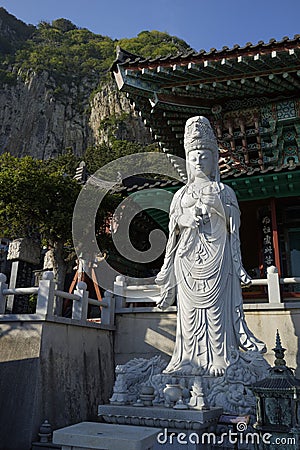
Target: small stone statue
<point x="202" y="265"/>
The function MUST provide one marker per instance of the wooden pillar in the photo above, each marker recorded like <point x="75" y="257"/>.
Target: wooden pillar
<point x="275" y="235"/>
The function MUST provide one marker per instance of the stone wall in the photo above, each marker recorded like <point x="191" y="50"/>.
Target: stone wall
<point x="54" y="371"/>
<point x="264" y="324"/>
<point x="143" y="335"/>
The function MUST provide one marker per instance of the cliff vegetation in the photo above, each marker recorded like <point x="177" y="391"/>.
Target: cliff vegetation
<point x="56" y="92"/>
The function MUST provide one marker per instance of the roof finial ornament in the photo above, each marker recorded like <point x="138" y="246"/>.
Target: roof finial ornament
<point x="279" y="352"/>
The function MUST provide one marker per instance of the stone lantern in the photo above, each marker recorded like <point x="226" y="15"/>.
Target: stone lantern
<point x="277" y="400"/>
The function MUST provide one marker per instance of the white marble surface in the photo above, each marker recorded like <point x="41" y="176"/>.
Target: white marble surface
<point x="201" y="418"/>
<point x="203" y="266"/>
<point x="93" y="435"/>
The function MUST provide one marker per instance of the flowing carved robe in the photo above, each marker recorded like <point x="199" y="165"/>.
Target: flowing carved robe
<point x="203" y="268"/>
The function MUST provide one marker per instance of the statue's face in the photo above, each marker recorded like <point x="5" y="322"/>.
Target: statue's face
<point x="201" y="162"/>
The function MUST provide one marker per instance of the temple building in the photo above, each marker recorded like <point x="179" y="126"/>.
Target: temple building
<point x="251" y="95"/>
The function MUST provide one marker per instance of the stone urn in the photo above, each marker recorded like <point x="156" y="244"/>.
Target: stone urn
<point x="172" y="393"/>
<point x="147" y="395"/>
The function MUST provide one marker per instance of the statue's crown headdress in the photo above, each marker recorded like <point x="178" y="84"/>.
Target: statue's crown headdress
<point x="199" y="134"/>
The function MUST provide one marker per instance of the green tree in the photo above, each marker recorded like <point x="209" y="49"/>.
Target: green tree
<point x="98" y="156"/>
<point x="67" y="52"/>
<point x="154" y="43"/>
<point x="63" y="25"/>
<point x="71" y="53"/>
<point x="37" y="201"/>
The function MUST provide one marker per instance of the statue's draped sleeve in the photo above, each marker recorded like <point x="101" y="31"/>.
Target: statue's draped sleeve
<point x="166" y="277"/>
<point x="233" y="226"/>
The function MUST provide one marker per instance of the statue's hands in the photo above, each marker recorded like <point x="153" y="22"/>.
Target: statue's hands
<point x="246" y="280"/>
<point x="164" y="304"/>
<point x="209" y="197"/>
<point x="167" y="297"/>
<point x="187" y="220"/>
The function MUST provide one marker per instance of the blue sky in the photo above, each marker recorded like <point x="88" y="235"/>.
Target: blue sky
<point x="202" y="24"/>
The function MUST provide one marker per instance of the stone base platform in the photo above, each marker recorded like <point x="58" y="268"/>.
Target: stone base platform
<point x="161" y="417"/>
<point x="140" y="428"/>
<point x="100" y="436"/>
<point x="44" y="446"/>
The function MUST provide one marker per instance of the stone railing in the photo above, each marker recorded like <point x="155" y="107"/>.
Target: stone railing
<point x="47" y="296"/>
<point x="130" y="296"/>
<point x="125" y="296"/>
<point x="273" y="282"/>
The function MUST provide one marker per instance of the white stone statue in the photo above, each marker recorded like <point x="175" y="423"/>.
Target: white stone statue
<point x="202" y="265"/>
<point x="233" y="391"/>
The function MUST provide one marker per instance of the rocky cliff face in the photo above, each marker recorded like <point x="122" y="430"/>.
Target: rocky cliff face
<point x="50" y="98"/>
<point x="12" y="32"/>
<point x="110" y="103"/>
<point x="34" y="121"/>
<point x="42" y="119"/>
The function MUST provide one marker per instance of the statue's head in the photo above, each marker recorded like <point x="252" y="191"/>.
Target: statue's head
<point x="199" y="135"/>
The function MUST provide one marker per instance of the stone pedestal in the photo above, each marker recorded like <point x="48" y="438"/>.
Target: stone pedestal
<point x="25" y="256"/>
<point x="91" y="435"/>
<point x="190" y="427"/>
<point x="159" y="416"/>
<point x="231" y="392"/>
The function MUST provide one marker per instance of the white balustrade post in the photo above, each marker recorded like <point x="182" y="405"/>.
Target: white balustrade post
<point x="45" y="299"/>
<point x="108" y="313"/>
<point x="273" y="285"/>
<point x="3" y="286"/>
<point x="119" y="292"/>
<point x="12" y="284"/>
<point x="80" y="308"/>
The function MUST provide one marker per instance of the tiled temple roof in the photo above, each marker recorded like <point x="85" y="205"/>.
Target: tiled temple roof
<point x="251" y="95"/>
<point x="132" y="184"/>
<point x="128" y="59"/>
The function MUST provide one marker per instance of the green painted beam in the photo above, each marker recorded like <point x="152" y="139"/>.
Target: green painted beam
<point x="280" y="184"/>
